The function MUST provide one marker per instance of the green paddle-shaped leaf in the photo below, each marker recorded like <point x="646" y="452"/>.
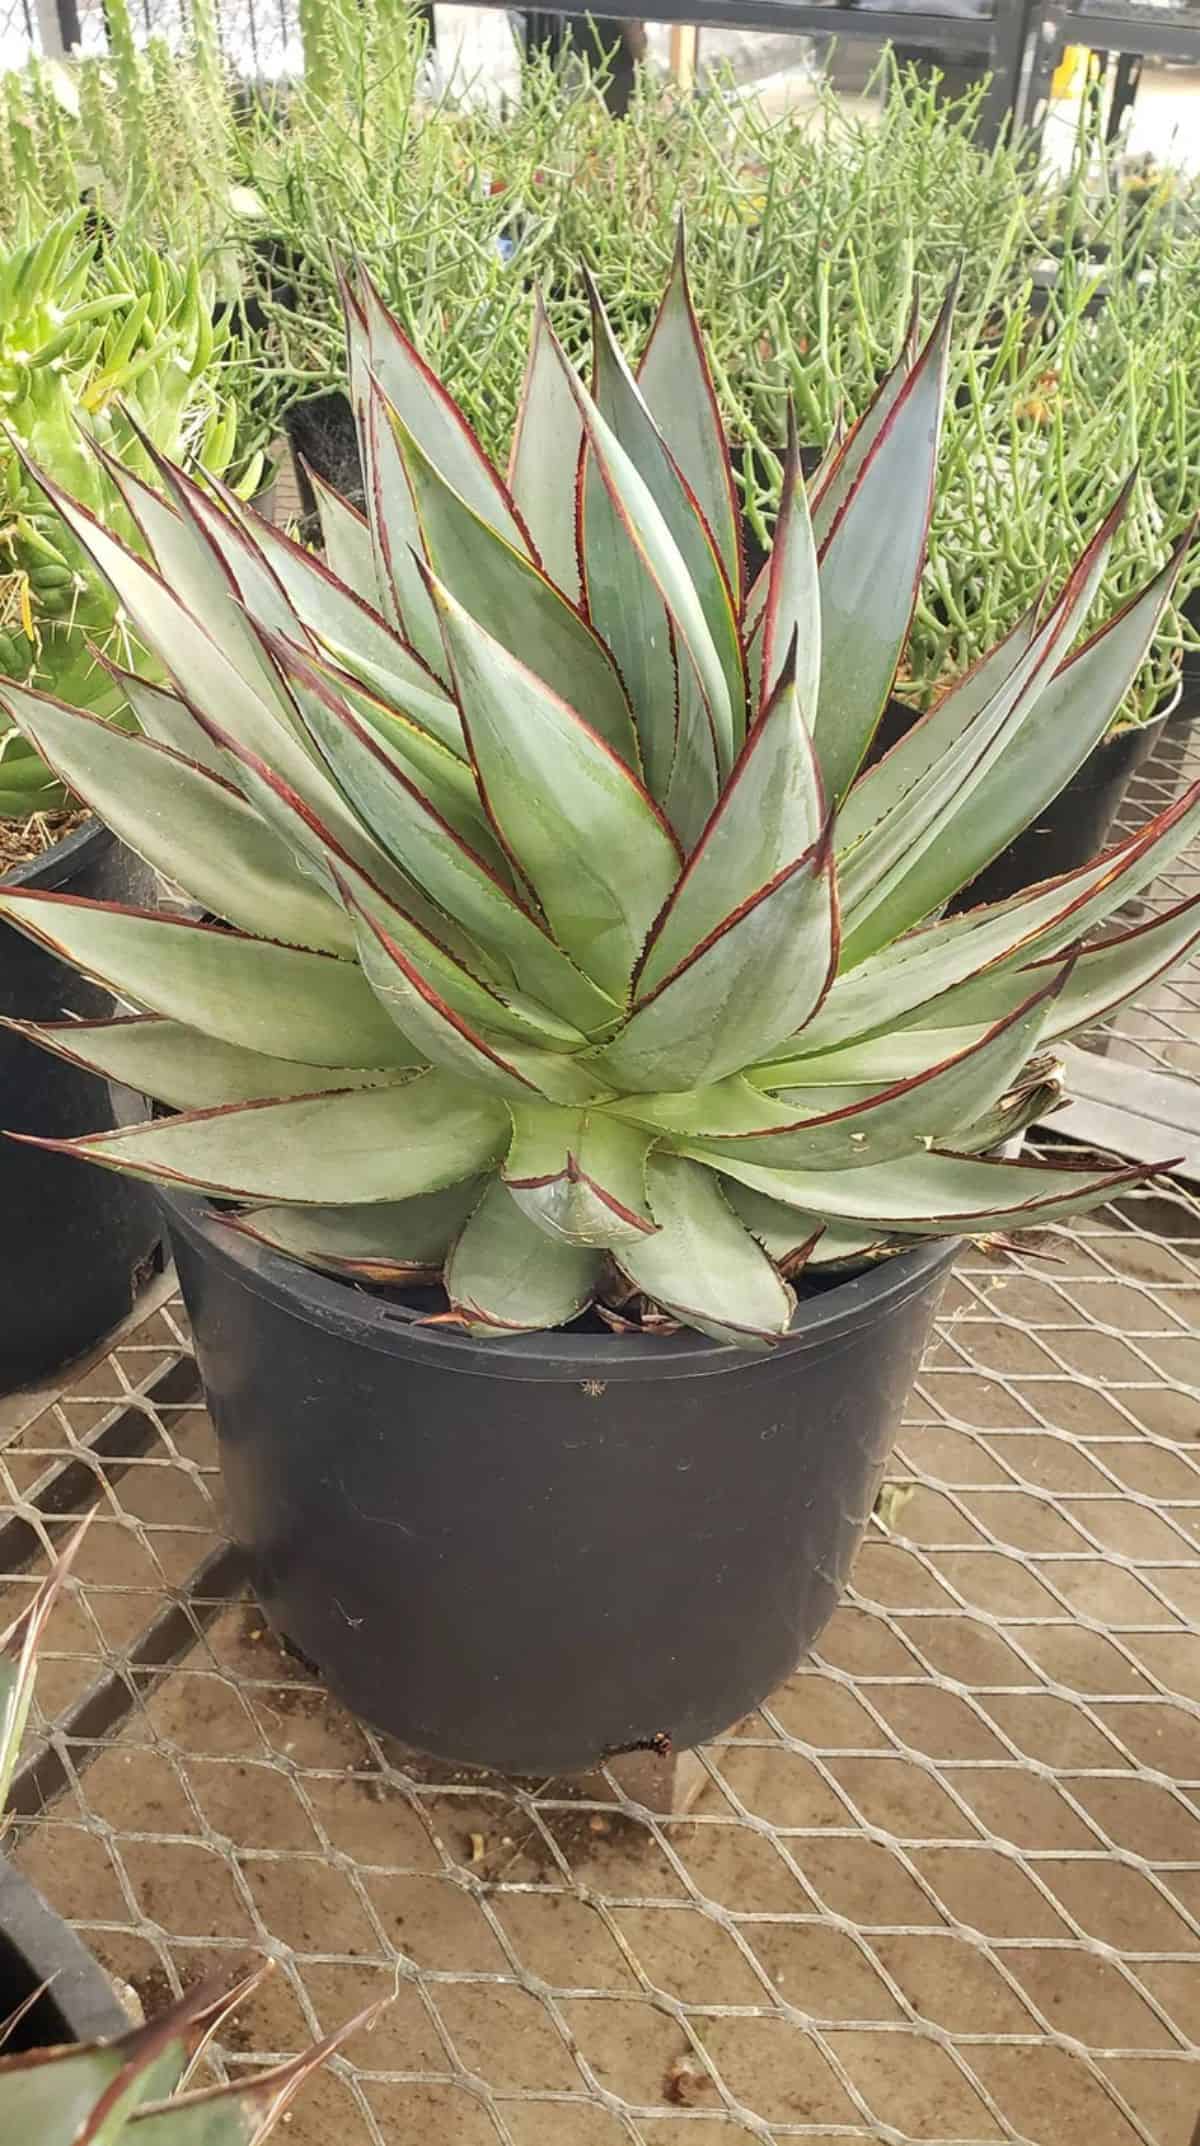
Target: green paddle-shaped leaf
<point x="371" y="1144"/>
<point x="192" y="826"/>
<point x="505" y="1275"/>
<point x="753" y="980"/>
<point x="546" y="444"/>
<point x="791" y="619"/>
<point x="871" y="561"/>
<point x="579" y="1174"/>
<point x="281" y="1000"/>
<point x="934" y="1194"/>
<point x="190" y="1071"/>
<point x="390" y="1243"/>
<point x="701" y="1264"/>
<point x="514" y="601"/>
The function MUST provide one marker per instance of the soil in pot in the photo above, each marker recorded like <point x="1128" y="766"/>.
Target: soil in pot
<point x="39" y="1951"/>
<point x="534" y="1553"/>
<point x="74" y="1242"/>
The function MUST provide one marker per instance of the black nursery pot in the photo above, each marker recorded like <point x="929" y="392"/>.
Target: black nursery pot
<point x="1071" y="829"/>
<point x="323" y="438"/>
<point x="40" y="1952"/>
<point x="1074" y="826"/>
<point x="73" y="1240"/>
<point x="533" y="1553"/>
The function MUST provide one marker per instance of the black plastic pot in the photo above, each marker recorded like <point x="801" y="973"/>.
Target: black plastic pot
<point x="1073" y="827"/>
<point x="529" y="1554"/>
<point x="37" y="1947"/>
<point x="73" y="1241"/>
<point x="896" y="721"/>
<point x="322" y="436"/>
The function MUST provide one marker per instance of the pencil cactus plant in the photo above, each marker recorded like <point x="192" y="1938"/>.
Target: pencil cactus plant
<point x="126" y="2090"/>
<point x="565" y="945"/>
<point x="126" y="348"/>
<point x="144" y="134"/>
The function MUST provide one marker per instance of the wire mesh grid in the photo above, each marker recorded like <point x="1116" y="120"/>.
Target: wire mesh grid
<point x="944" y="1886"/>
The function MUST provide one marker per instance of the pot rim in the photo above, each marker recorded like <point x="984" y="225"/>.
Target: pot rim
<point x="78" y="1988"/>
<point x="62" y="860"/>
<point x="1183" y="708"/>
<point x="1164" y="713"/>
<point x="344" y="1310"/>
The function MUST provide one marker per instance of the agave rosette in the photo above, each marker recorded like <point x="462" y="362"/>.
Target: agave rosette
<point x="562" y="946"/>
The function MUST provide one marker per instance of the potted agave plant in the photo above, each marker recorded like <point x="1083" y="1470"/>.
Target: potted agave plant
<point x="569" y="1110"/>
<point x="127" y="347"/>
<point x="73" y="2072"/>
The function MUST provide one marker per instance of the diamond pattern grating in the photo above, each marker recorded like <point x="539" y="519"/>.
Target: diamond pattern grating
<point x="944" y="1886"/>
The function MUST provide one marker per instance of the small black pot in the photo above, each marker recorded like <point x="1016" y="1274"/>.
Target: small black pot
<point x="1071" y="829"/>
<point x="73" y="1241"/>
<point x="323" y="438"/>
<point x="532" y="1553"/>
<point x="36" y="1947"/>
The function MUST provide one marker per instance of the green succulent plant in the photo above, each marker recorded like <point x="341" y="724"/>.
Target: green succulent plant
<point x="129" y="2090"/>
<point x="145" y="134"/>
<point x="125" y="347"/>
<point x="565" y="944"/>
<point x="1068" y="387"/>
